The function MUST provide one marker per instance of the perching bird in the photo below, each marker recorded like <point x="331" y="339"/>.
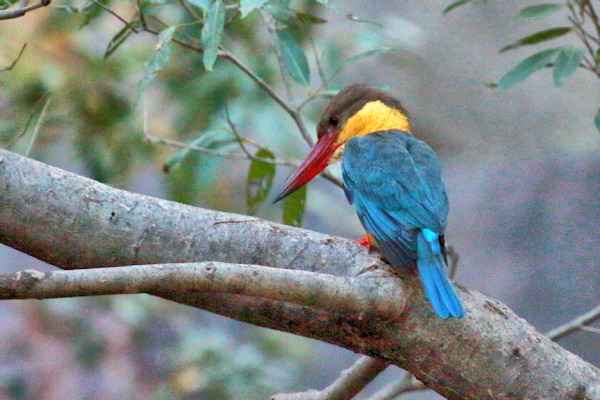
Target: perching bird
<point x="393" y="180"/>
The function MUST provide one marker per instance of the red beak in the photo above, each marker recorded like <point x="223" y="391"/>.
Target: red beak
<point x="316" y="162"/>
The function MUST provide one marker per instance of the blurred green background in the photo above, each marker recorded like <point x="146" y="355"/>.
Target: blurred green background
<point x="521" y="168"/>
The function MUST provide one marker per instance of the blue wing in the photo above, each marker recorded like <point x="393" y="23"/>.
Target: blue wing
<point x="394" y="181"/>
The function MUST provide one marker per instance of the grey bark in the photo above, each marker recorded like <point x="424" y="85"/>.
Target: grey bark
<point x="73" y="222"/>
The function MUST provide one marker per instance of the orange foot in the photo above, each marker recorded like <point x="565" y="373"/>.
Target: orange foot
<point x="364" y="241"/>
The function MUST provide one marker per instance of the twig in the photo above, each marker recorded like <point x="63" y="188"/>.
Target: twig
<point x="590" y="329"/>
<point x="578" y="23"/>
<point x="20" y="11"/>
<point x="142" y="17"/>
<point x="29" y="119"/>
<point x="235" y="132"/>
<point x="281" y="160"/>
<point x="574" y="325"/>
<point x="320" y="70"/>
<point x="589" y="9"/>
<point x="36" y="129"/>
<point x="406" y="384"/>
<point x="350" y="382"/>
<point x="453" y="258"/>
<point x="11" y="66"/>
<point x="174" y="143"/>
<point x="123" y="20"/>
<point x="191" y="12"/>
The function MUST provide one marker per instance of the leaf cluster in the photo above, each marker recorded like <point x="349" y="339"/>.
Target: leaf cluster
<point x="563" y="60"/>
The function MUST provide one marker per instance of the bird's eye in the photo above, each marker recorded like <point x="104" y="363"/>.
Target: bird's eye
<point x="333" y="120"/>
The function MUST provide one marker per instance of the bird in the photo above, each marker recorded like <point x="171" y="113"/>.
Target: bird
<point x="394" y="182"/>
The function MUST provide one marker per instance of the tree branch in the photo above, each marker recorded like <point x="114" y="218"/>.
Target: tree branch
<point x="12" y="13"/>
<point x="73" y="223"/>
<point x="575" y="324"/>
<point x="350" y="382"/>
<point x="313" y="289"/>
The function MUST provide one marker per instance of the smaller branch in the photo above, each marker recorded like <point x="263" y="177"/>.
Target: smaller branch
<point x="349" y="384"/>
<point x="407" y="384"/>
<point x="174" y="143"/>
<point x="574" y="325"/>
<point x="281" y="160"/>
<point x="11" y="66"/>
<point x="318" y="290"/>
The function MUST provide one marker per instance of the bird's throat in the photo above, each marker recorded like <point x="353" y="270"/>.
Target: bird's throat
<point x="375" y="116"/>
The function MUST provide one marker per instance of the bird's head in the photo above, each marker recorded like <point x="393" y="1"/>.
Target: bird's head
<point x="357" y="110"/>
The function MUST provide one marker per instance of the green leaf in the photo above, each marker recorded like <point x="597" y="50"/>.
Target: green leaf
<point x="247" y="6"/>
<point x="211" y="33"/>
<point x="566" y="63"/>
<point x="528" y="67"/>
<point x="293" y="207"/>
<point x="455" y="5"/>
<point x="309" y="18"/>
<point x="91" y="11"/>
<point x="120" y="38"/>
<point x="538" y="37"/>
<point x="66" y="9"/>
<point x="540" y="10"/>
<point x="280" y="10"/>
<point x="159" y="59"/>
<point x="294" y="60"/>
<point x="201" y="4"/>
<point x="597" y="120"/>
<point x="179" y="156"/>
<point x="260" y="180"/>
<point x="361" y="56"/>
<point x="368" y="54"/>
<point x="355" y="18"/>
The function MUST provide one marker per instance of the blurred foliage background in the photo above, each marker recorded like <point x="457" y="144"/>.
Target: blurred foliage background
<point x="116" y="105"/>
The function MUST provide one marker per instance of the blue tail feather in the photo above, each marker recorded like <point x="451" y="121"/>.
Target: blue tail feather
<point x="438" y="288"/>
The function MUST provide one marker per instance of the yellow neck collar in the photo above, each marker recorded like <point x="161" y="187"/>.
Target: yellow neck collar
<point x="373" y="117"/>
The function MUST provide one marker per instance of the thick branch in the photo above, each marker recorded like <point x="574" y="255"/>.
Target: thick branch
<point x="73" y="222"/>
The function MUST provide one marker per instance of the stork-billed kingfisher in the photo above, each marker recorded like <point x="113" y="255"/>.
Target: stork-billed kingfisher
<point x="393" y="180"/>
